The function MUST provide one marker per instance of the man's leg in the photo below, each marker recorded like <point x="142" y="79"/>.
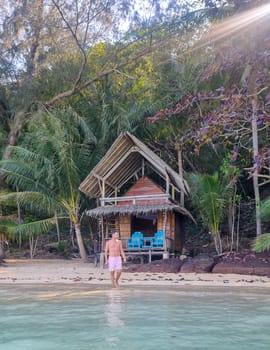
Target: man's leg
<point x="118" y="274"/>
<point x="113" y="279"/>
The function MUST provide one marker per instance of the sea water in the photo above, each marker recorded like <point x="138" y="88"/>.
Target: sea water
<point x="81" y="317"/>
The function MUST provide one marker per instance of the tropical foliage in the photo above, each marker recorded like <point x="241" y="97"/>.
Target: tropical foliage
<point x="189" y="79"/>
<point x="46" y="171"/>
<point x="262" y="243"/>
<point x="210" y="194"/>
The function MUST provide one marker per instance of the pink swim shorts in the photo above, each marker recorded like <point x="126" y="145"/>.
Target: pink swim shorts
<point x="115" y="263"/>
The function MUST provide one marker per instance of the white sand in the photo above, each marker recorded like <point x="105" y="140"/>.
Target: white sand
<point x="75" y="271"/>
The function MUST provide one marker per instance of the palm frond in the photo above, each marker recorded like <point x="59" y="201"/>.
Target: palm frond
<point x="6" y="225"/>
<point x="21" y="153"/>
<point x="33" y="228"/>
<point x="265" y="209"/>
<point x="47" y="174"/>
<point x="80" y="122"/>
<point x="34" y="201"/>
<point x="27" y="175"/>
<point x="209" y="196"/>
<point x="261" y="243"/>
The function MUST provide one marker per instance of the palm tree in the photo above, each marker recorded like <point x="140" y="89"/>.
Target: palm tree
<point x="48" y="168"/>
<point x="262" y="243"/>
<point x="209" y="195"/>
<point x="4" y="221"/>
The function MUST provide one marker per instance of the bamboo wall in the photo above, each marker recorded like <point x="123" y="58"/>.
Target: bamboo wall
<point x="169" y="228"/>
<point x="144" y="186"/>
<point x="124" y="225"/>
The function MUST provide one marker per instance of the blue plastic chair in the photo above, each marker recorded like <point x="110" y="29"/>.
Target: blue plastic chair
<point x="158" y="240"/>
<point x="136" y="240"/>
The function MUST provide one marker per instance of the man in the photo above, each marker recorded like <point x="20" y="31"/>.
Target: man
<point x="113" y="253"/>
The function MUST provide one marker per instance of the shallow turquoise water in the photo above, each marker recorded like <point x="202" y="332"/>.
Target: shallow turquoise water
<point x="75" y="317"/>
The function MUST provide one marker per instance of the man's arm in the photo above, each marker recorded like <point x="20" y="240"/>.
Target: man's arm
<point x="106" y="252"/>
<point x="122" y="252"/>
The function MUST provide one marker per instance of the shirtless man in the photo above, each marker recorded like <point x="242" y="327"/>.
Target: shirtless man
<point x="114" y="250"/>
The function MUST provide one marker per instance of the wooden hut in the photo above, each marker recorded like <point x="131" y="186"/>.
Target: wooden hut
<point x="137" y="192"/>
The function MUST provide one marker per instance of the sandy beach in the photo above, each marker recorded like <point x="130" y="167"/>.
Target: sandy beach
<point x="77" y="272"/>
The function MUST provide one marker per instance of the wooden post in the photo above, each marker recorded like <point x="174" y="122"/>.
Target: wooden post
<point x="103" y="191"/>
<point x="101" y="260"/>
<point x="115" y="195"/>
<point x="117" y="228"/>
<point x="173" y="193"/>
<point x="167" y="184"/>
<point x="164" y="229"/>
<point x="165" y="254"/>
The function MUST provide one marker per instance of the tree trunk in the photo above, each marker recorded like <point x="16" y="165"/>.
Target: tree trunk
<point x="33" y="246"/>
<point x="71" y="233"/>
<point x="180" y="172"/>
<point x="231" y="211"/>
<point x="19" y="219"/>
<point x="57" y="228"/>
<point x="1" y="250"/>
<point x="256" y="165"/>
<point x="82" y="250"/>
<point x="231" y="217"/>
<point x="218" y="243"/>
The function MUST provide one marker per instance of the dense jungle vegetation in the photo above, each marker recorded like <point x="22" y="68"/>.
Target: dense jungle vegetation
<point x="189" y="78"/>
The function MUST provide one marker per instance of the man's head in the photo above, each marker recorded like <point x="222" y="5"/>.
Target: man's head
<point x="115" y="235"/>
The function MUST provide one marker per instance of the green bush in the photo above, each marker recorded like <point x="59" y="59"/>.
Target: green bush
<point x="62" y="248"/>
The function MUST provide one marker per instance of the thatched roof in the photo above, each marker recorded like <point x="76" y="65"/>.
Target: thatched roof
<point x="136" y="209"/>
<point x="126" y="157"/>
